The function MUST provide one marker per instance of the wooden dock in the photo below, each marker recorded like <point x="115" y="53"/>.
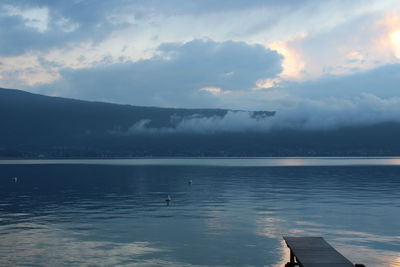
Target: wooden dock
<point x="314" y="252"/>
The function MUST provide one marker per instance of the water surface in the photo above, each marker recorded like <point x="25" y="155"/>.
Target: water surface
<point x="103" y="213"/>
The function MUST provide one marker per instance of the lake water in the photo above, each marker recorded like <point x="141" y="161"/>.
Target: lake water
<point x="113" y="212"/>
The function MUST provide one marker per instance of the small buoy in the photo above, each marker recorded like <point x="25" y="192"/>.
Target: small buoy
<point x="14" y="179"/>
<point x="190" y="182"/>
<point x="168" y="200"/>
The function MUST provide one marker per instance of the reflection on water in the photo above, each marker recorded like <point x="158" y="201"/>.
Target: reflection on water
<point x="104" y="215"/>
<point x="232" y="162"/>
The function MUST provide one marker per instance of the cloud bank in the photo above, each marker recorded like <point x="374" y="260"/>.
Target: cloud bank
<point x="327" y="114"/>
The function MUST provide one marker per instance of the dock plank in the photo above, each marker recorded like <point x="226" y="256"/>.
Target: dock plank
<point x="315" y="251"/>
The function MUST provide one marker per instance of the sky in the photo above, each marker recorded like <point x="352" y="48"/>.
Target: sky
<point x="301" y="58"/>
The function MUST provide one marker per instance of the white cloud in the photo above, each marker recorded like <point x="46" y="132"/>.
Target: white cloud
<point x="37" y="18"/>
<point x="215" y="90"/>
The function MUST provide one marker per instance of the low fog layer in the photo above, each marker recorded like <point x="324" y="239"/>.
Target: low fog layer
<point x="330" y="113"/>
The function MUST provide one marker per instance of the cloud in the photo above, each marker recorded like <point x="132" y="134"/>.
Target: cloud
<point x="36" y="18"/>
<point x="29" y="26"/>
<point x="86" y="34"/>
<point x="361" y="43"/>
<point x="146" y="24"/>
<point x="323" y="114"/>
<point x="306" y="55"/>
<point x="176" y="77"/>
<point x="232" y="121"/>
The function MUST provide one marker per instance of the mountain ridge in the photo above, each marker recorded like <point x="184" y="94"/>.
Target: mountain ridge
<point x="34" y="126"/>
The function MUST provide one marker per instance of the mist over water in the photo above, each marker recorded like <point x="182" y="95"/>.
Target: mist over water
<point x="102" y="215"/>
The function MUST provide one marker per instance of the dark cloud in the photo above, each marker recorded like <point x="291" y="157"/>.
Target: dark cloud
<point x="176" y="76"/>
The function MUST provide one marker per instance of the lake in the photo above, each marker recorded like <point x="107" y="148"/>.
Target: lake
<point x="113" y="212"/>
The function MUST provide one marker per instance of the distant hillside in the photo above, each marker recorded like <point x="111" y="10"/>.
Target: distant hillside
<point x="40" y="126"/>
<point x="30" y="119"/>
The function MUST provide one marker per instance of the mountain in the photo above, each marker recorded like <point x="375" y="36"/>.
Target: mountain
<point x="34" y="125"/>
<point x="30" y="119"/>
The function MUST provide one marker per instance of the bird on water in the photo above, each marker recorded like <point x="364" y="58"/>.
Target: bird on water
<point x="168" y="200"/>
